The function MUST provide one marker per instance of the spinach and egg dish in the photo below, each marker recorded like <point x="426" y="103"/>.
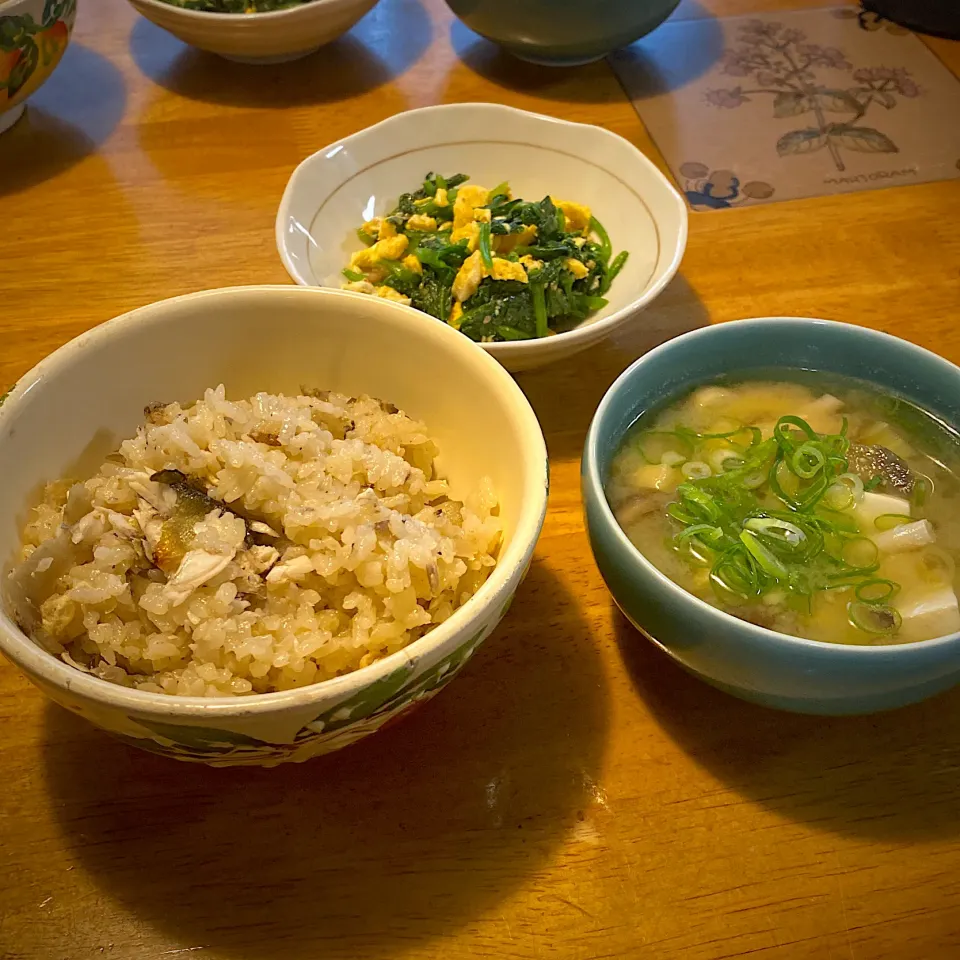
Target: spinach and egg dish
<point x="236" y="6"/>
<point x="814" y="507"/>
<point x="494" y="266"/>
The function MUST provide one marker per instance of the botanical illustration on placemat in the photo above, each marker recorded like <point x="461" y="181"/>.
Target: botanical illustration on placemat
<point x="795" y="104"/>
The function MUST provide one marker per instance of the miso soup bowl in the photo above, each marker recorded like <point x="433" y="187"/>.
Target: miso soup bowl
<point x="74" y="407"/>
<point x="751" y="662"/>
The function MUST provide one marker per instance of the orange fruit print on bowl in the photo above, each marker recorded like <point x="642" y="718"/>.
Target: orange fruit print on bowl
<point x="33" y="37"/>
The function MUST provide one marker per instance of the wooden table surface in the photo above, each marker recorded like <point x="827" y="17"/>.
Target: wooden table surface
<point x="573" y="794"/>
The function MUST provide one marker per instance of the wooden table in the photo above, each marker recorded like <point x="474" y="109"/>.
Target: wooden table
<point x="573" y="794"/>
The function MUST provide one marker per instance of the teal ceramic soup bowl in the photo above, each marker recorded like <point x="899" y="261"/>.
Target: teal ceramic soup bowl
<point x="562" y="32"/>
<point x="748" y="661"/>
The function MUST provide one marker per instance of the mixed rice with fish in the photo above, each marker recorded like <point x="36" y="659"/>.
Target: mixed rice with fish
<point x="239" y="547"/>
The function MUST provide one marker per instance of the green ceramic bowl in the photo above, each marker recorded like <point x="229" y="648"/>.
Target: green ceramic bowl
<point x="749" y="661"/>
<point x="562" y="32"/>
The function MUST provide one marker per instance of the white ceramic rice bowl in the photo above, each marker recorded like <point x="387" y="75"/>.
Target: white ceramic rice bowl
<point x="332" y="192"/>
<point x="64" y="415"/>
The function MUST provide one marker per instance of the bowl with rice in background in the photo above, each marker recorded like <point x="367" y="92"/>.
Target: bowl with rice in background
<point x="255" y="31"/>
<point x="258" y="539"/>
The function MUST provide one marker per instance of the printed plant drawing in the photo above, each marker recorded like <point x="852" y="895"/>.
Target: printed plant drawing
<point x="785" y="66"/>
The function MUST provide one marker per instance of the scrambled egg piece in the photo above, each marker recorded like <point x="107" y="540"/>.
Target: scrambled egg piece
<point x="456" y="312"/>
<point x="388" y="293"/>
<point x="440" y="198"/>
<point x="578" y="269"/>
<point x="379" y="228"/>
<point x="412" y="263"/>
<point x="473" y="271"/>
<point x="469" y="232"/>
<point x="468" y="277"/>
<point x="469" y="197"/>
<point x="505" y="242"/>
<point x="482" y="215"/>
<point x="530" y="263"/>
<point x="360" y="286"/>
<point x="392" y="248"/>
<point x="420" y="221"/>
<point x="577" y="215"/>
<point x="508" y="270"/>
<point x="446" y="225"/>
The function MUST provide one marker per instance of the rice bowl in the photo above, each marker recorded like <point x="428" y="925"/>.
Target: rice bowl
<point x="275" y="340"/>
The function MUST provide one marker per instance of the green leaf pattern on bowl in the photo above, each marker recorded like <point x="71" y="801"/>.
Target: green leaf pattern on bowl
<point x="346" y="722"/>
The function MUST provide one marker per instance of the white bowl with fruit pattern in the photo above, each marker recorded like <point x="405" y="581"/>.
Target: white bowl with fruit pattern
<point x="274" y="338"/>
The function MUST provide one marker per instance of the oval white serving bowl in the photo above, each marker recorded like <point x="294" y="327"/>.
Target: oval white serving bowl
<point x="74" y="407"/>
<point x="332" y="192"/>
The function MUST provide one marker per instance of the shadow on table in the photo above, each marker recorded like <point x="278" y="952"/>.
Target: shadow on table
<point x="590" y="83"/>
<point x="401" y="838"/>
<point x="649" y="73"/>
<point x="67" y="119"/>
<point x="565" y="398"/>
<point x="384" y="44"/>
<point x="669" y="58"/>
<point x="890" y="776"/>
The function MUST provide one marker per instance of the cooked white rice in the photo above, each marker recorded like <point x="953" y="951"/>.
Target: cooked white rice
<point x="336" y="545"/>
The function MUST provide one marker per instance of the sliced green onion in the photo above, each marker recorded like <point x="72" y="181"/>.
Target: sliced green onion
<point x="703" y="530"/>
<point x="887" y="521"/>
<point x="773" y="478"/>
<point x="696" y="470"/>
<point x="726" y="459"/>
<point x="855" y="484"/>
<point x="807" y="461"/>
<point x="782" y="434"/>
<point x="734" y="573"/>
<point x="876" y="590"/>
<point x="353" y="276"/>
<point x="838" y="496"/>
<point x="876" y="618"/>
<point x="652" y="456"/>
<point x="766" y="559"/>
<point x="782" y="531"/>
<point x="922" y="488"/>
<point x="672" y="459"/>
<point x="697" y="499"/>
<point x="754" y="479"/>
<point x="859" y="553"/>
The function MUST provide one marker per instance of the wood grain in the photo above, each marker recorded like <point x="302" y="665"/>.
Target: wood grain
<point x="573" y="794"/>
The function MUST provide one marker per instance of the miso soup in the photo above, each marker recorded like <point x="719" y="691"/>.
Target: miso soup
<point x="812" y="506"/>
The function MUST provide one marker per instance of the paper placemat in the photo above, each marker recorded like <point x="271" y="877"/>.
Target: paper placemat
<point x="794" y="104"/>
